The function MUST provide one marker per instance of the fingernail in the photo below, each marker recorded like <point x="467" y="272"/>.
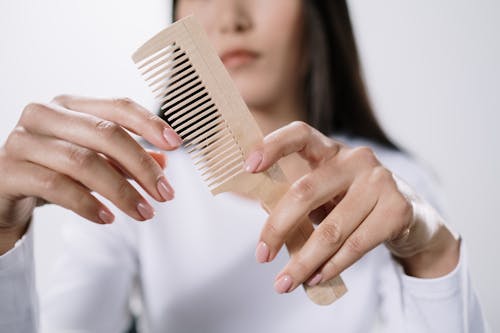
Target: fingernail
<point x="105" y="216"/>
<point x="283" y="285"/>
<point x="262" y="253"/>
<point x="145" y="210"/>
<point x="164" y="188"/>
<point x="172" y="138"/>
<point x="315" y="280"/>
<point x="253" y="161"/>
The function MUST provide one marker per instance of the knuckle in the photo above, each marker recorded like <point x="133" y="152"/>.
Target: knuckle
<point x="32" y="109"/>
<point x="331" y="268"/>
<point x="81" y="157"/>
<point x="330" y="233"/>
<point x="51" y="182"/>
<point x="125" y="193"/>
<point x="61" y="99"/>
<point x="302" y="266"/>
<point x="146" y="162"/>
<point x="151" y="117"/>
<point x="365" y="155"/>
<point x="301" y="128"/>
<point x="380" y="175"/>
<point x="14" y="139"/>
<point x="355" y="245"/>
<point x="273" y="232"/>
<point x="303" y="189"/>
<point x="107" y="129"/>
<point x="5" y="163"/>
<point x="124" y="103"/>
<point x="83" y="201"/>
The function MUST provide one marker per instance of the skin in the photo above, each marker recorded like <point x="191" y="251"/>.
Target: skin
<point x="361" y="205"/>
<point x="61" y="151"/>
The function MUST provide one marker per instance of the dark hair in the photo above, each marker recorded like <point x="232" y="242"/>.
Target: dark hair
<point x="336" y="96"/>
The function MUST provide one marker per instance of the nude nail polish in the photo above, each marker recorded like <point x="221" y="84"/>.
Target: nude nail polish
<point x="165" y="190"/>
<point x="172" y="138"/>
<point x="262" y="253"/>
<point x="253" y="161"/>
<point x="105" y="216"/>
<point x="145" y="210"/>
<point x="283" y="284"/>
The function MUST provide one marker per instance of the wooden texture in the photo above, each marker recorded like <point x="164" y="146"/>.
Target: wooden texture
<point x="204" y="107"/>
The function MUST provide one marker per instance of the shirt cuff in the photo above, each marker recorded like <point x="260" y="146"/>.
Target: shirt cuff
<point x="436" y="288"/>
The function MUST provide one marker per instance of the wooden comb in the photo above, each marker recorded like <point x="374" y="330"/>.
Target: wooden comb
<point x="204" y="107"/>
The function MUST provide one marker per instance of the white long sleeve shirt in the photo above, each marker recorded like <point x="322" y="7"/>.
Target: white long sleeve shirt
<point x="195" y="271"/>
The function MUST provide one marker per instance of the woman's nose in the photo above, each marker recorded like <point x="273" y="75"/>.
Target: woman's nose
<point x="234" y="16"/>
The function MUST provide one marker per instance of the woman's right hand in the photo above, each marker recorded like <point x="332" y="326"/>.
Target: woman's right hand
<point x="62" y="151"/>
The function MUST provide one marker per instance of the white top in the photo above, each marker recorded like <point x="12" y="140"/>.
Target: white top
<point x="195" y="268"/>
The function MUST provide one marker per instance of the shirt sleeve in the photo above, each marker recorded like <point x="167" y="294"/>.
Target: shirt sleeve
<point x="444" y="304"/>
<point x="92" y="280"/>
<point x="18" y="297"/>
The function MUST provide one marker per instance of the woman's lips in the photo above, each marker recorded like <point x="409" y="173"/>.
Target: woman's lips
<point x="238" y="58"/>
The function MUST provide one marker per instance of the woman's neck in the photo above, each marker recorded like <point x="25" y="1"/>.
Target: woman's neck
<point x="277" y="115"/>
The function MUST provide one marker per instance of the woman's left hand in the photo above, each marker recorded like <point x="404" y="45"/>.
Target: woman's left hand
<point x="358" y="204"/>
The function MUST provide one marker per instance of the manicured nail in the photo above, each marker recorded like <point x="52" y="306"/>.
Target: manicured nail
<point x="145" y="210"/>
<point x="315" y="280"/>
<point x="106" y="217"/>
<point x="262" y="253"/>
<point x="172" y="138"/>
<point x="283" y="285"/>
<point x="166" y="191"/>
<point x="253" y="161"/>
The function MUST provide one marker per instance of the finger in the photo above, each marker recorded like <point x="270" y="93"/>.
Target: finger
<point x="159" y="157"/>
<point x="304" y="196"/>
<point x="128" y="114"/>
<point x="84" y="166"/>
<point x="101" y="136"/>
<point x="28" y="179"/>
<point x="295" y="137"/>
<point x="379" y="226"/>
<point x="333" y="231"/>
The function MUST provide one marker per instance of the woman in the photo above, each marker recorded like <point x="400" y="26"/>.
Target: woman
<point x="293" y="62"/>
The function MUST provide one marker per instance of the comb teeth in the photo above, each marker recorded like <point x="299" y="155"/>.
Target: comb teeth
<point x="193" y="113"/>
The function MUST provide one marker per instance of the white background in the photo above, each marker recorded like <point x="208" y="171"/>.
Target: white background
<point x="432" y="68"/>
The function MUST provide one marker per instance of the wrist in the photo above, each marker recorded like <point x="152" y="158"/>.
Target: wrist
<point x="9" y="236"/>
<point x="437" y="259"/>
